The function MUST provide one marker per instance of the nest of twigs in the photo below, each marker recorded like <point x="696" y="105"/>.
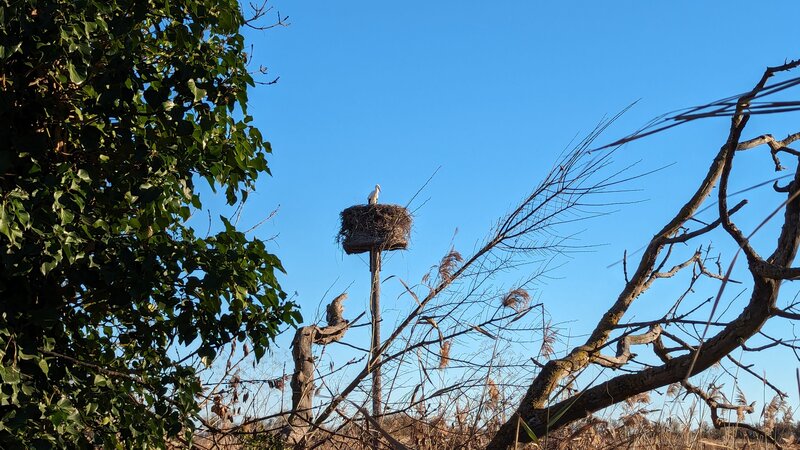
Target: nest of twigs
<point x="380" y="227"/>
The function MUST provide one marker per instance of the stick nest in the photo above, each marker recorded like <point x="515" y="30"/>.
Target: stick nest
<point x="380" y="227"/>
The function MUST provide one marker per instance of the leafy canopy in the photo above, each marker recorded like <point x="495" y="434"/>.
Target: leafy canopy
<point x="110" y="110"/>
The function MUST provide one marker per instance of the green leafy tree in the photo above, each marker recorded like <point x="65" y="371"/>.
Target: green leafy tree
<point x="110" y="111"/>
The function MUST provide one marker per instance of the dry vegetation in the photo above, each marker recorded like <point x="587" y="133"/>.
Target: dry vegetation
<point x="639" y="423"/>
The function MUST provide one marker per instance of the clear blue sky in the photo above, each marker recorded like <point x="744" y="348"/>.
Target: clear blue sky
<point x="387" y="92"/>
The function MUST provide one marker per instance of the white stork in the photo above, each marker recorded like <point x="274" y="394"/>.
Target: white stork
<point x="373" y="196"/>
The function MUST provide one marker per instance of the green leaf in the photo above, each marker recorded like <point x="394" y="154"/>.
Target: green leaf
<point x="44" y="367"/>
<point x="527" y="429"/>
<point x="76" y="75"/>
<point x="198" y="93"/>
<point x="66" y="216"/>
<point x="9" y="374"/>
<point x="47" y="266"/>
<point x="101" y="381"/>
<point x="5" y="223"/>
<point x="89" y="28"/>
<point x="560" y="413"/>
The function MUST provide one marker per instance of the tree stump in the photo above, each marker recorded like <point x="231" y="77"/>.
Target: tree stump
<point x="303" y="377"/>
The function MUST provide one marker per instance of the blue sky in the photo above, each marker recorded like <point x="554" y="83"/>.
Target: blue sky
<point x="489" y="94"/>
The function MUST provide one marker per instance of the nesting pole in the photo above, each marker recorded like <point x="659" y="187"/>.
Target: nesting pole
<point x="375" y="228"/>
<point x="375" y="343"/>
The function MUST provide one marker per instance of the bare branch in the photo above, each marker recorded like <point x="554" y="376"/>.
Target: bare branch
<point x="624" y="348"/>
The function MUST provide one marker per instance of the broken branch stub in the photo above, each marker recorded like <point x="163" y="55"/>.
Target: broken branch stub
<point x="624" y="348"/>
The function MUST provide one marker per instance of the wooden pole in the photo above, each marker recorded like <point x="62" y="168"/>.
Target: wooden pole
<point x="375" y="309"/>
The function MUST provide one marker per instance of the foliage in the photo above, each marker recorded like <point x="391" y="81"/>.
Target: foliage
<point x="110" y="112"/>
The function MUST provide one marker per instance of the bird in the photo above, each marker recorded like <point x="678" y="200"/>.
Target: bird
<point x="373" y="196"/>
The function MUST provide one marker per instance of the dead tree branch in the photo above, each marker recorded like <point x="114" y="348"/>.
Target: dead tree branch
<point x="542" y="416"/>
